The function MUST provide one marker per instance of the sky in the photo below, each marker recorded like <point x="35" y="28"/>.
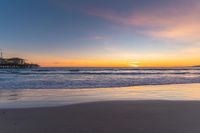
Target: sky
<point x="102" y="33"/>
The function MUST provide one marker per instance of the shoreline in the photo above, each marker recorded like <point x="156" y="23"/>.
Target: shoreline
<point x="139" y="109"/>
<point x="28" y="98"/>
<point x="105" y="117"/>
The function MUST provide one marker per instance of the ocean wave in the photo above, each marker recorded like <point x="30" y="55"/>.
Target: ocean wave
<point x="99" y="82"/>
<point x="102" y="73"/>
<point x="55" y="78"/>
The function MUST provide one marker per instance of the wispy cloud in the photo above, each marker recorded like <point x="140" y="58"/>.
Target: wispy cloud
<point x="175" y="22"/>
<point x="99" y="37"/>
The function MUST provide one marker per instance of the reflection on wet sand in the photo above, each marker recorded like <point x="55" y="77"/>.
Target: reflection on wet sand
<point x="56" y="97"/>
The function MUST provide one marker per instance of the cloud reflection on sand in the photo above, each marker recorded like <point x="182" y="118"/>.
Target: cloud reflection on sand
<point x="56" y="97"/>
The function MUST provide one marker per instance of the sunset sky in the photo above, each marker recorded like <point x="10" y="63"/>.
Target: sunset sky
<point x="102" y="33"/>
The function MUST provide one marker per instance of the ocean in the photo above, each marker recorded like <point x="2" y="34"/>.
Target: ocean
<point x="79" y="78"/>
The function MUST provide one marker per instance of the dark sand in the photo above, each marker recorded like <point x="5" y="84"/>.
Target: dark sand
<point x="105" y="117"/>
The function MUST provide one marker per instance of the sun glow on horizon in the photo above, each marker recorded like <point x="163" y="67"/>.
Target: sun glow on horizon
<point x="108" y="63"/>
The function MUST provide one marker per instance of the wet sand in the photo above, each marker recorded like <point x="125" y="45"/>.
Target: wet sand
<point x="26" y="98"/>
<point x="105" y="117"/>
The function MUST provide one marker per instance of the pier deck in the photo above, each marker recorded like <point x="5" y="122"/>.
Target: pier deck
<point x="17" y="66"/>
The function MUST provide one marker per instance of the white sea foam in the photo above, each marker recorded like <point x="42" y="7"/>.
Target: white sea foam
<point x="77" y="78"/>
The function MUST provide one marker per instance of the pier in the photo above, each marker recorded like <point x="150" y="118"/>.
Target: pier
<point x="15" y="63"/>
<point x="18" y="66"/>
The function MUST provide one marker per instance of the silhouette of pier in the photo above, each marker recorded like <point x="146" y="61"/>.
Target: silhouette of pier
<point x="14" y="63"/>
<point x="18" y="66"/>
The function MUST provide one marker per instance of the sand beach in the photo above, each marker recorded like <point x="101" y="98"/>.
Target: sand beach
<point x="105" y="117"/>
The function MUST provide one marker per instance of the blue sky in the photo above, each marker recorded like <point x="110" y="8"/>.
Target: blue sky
<point x="69" y="32"/>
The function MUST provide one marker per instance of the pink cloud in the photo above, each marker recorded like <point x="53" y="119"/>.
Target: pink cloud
<point x="169" y="22"/>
